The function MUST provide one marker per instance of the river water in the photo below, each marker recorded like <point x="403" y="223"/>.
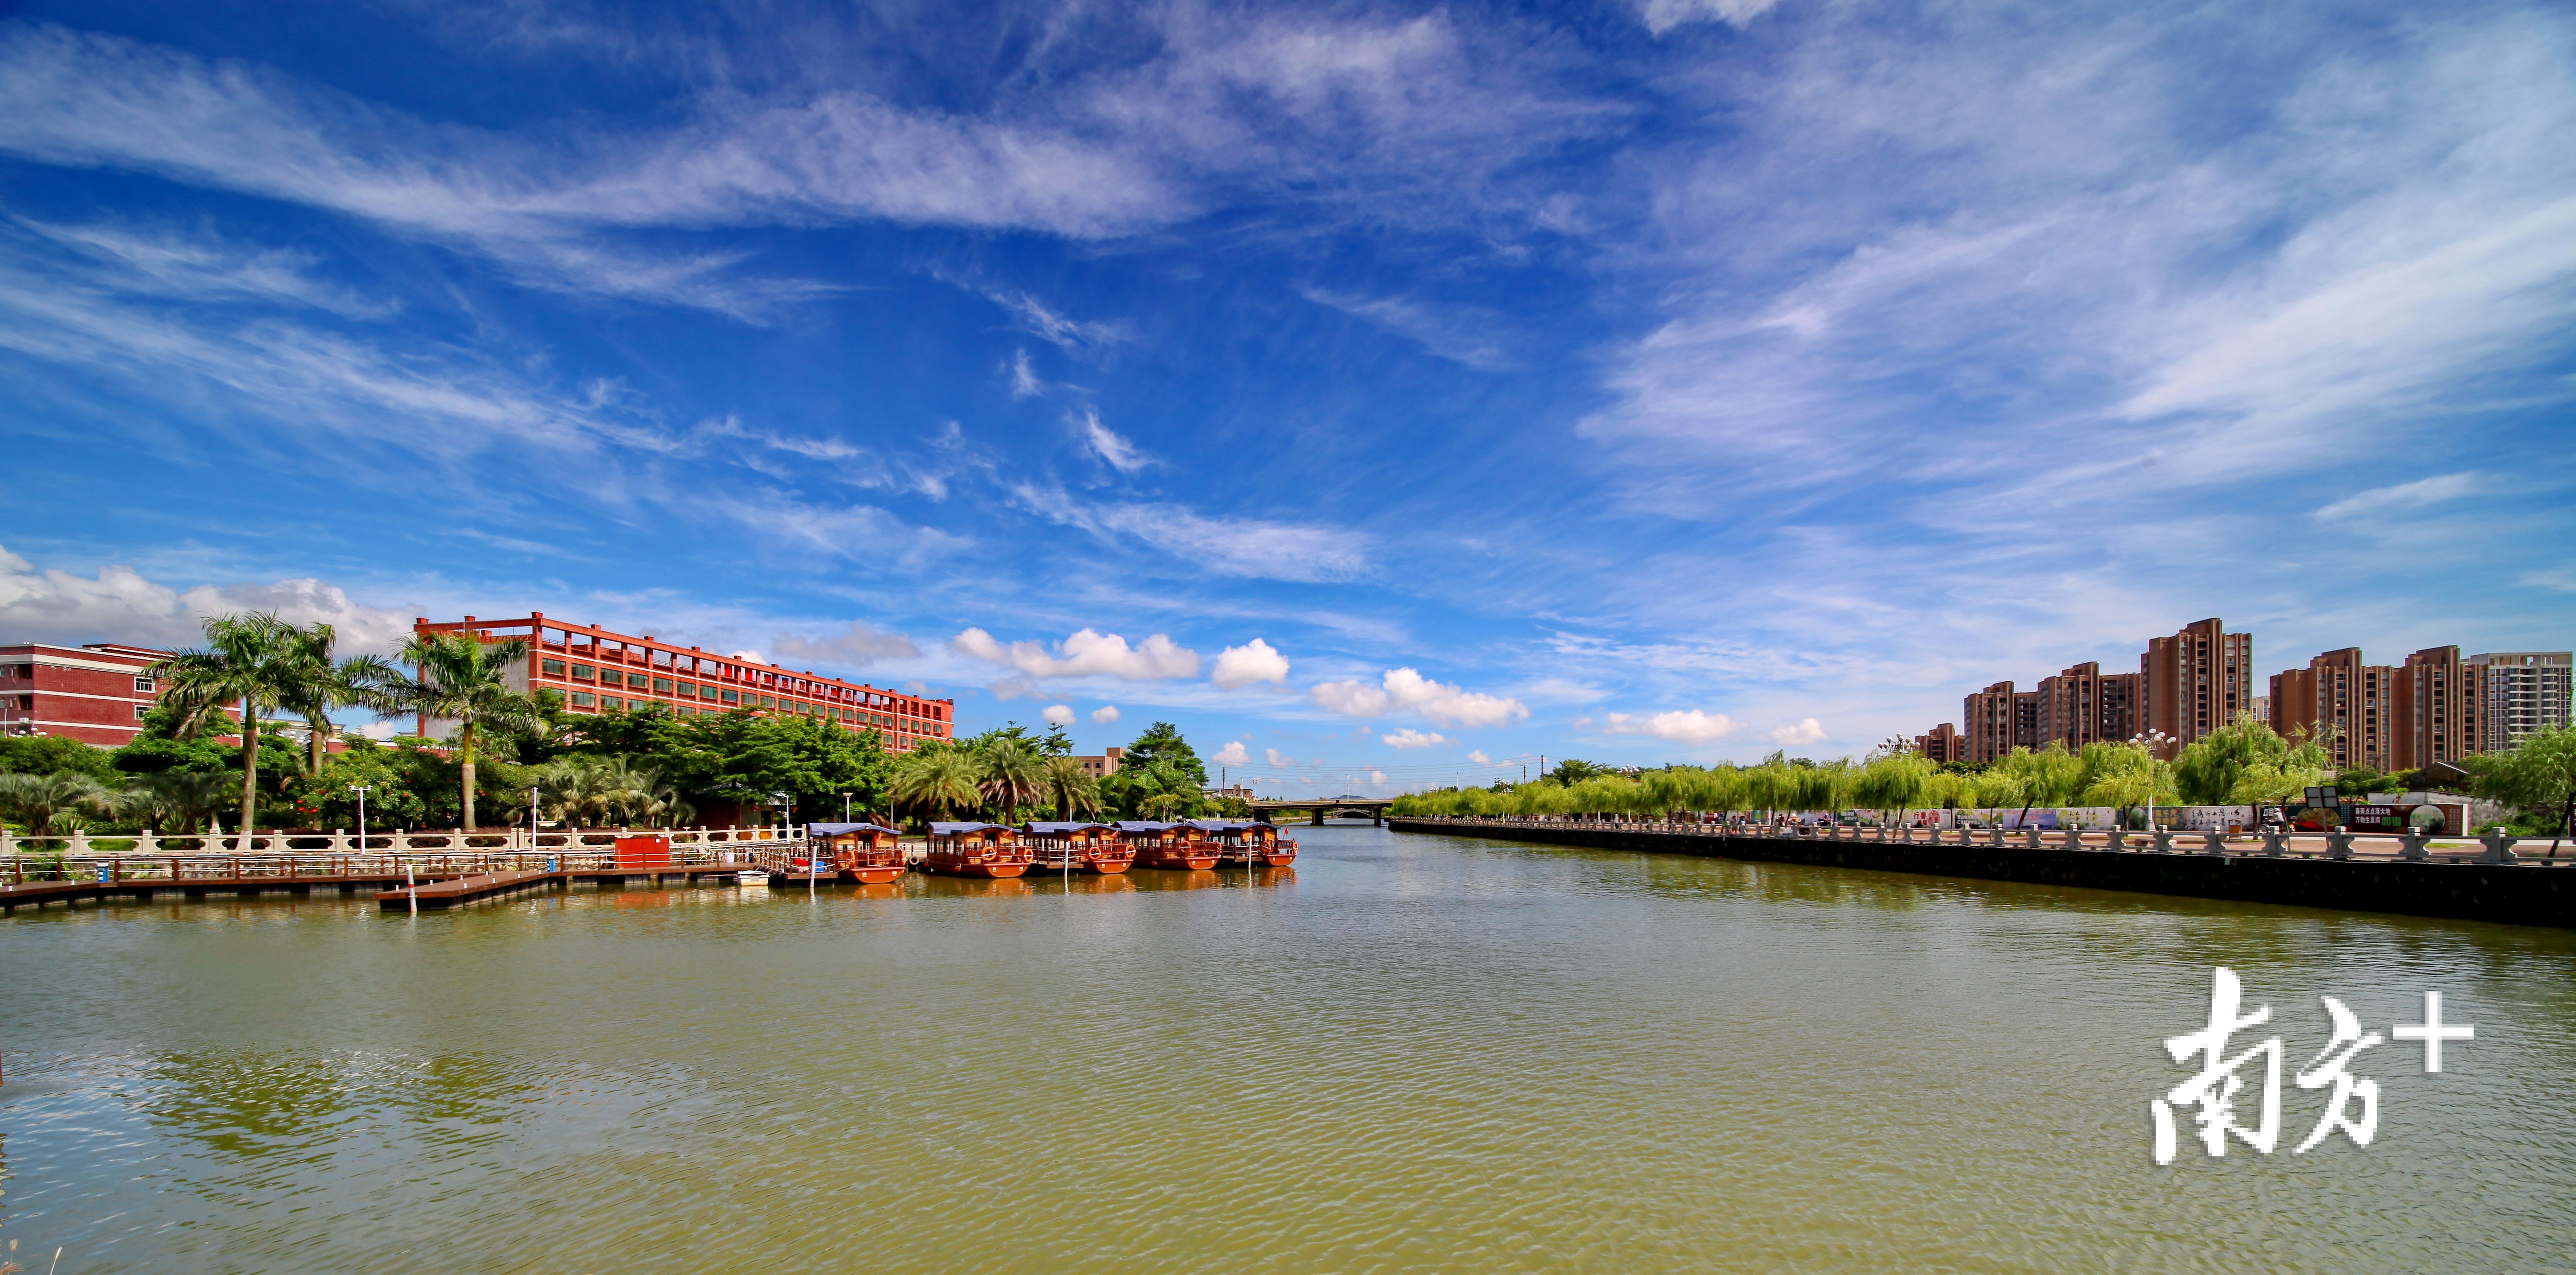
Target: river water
<point x="1407" y="1053"/>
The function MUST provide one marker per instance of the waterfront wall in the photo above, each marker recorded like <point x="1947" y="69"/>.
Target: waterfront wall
<point x="2515" y="894"/>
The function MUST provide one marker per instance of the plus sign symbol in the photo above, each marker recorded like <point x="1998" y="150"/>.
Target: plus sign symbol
<point x="2433" y="1031"/>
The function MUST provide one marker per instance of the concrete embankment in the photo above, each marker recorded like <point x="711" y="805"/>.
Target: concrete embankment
<point x="2514" y="894"/>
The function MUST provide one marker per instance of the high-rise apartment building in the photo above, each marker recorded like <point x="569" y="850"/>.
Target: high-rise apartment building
<point x="2196" y="681"/>
<point x="2000" y="719"/>
<point x="2083" y="705"/>
<point x="2520" y="692"/>
<point x="596" y="670"/>
<point x="2438" y="713"/>
<point x="1942" y="744"/>
<point x="2347" y="704"/>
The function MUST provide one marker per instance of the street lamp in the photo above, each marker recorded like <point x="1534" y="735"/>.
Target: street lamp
<point x="361" y="790"/>
<point x="845" y="807"/>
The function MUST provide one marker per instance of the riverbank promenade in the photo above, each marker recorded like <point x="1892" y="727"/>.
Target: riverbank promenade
<point x="2493" y="878"/>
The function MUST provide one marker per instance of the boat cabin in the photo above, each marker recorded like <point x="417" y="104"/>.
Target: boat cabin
<point x="1077" y="847"/>
<point x="976" y="850"/>
<point x="1245" y="842"/>
<point x="1176" y="846"/>
<point x="868" y="853"/>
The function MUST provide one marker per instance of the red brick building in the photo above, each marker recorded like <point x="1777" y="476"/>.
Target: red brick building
<point x="2083" y="705"/>
<point x="2196" y="681"/>
<point x="596" y="670"/>
<point x="96" y="694"/>
<point x="1942" y="744"/>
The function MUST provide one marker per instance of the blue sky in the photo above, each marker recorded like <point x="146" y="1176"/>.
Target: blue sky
<point x="1401" y="390"/>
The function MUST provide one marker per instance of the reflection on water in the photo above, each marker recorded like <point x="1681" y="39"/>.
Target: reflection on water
<point x="1406" y="1053"/>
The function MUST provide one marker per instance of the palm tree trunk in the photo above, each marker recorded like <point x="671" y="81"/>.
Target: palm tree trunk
<point x="314" y="725"/>
<point x="250" y="768"/>
<point x="465" y="740"/>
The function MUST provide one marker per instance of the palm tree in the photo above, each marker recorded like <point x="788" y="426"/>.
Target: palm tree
<point x="349" y="683"/>
<point x="1076" y="792"/>
<point x="1162" y="805"/>
<point x="174" y="798"/>
<point x="39" y="799"/>
<point x="1010" y="775"/>
<point x="464" y="679"/>
<point x="255" y="662"/>
<point x="937" y="781"/>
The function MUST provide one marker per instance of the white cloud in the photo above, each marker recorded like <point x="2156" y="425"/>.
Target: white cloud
<point x="1232" y="754"/>
<point x="1808" y="731"/>
<point x="1278" y="759"/>
<point x="1480" y="758"/>
<point x="1663" y="15"/>
<point x="1255" y="661"/>
<point x="2414" y="495"/>
<point x="855" y="647"/>
<point x="1377" y="776"/>
<point x="748" y="656"/>
<point x="1087" y="653"/>
<point x="1404" y="689"/>
<point x="1024" y="379"/>
<point x="1470" y="338"/>
<point x="1686" y="727"/>
<point x="120" y="605"/>
<point x="1057" y="715"/>
<point x="1105" y="714"/>
<point x="1110" y="446"/>
<point x="1250" y="547"/>
<point x="1411" y="738"/>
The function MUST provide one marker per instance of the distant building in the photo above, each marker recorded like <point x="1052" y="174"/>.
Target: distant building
<point x="2437" y="714"/>
<point x="1241" y="792"/>
<point x="96" y="693"/>
<point x="2000" y="719"/>
<point x="1104" y="765"/>
<point x="597" y="670"/>
<point x="2345" y="703"/>
<point x="2196" y="681"/>
<point x="1942" y="744"/>
<point x="2083" y="705"/>
<point x="2521" y="692"/>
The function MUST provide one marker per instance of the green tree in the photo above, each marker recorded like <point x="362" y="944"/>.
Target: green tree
<point x="457" y="677"/>
<point x="935" y="783"/>
<point x="41" y="799"/>
<point x="329" y="684"/>
<point x="174" y="800"/>
<point x="54" y="755"/>
<point x="1162" y="743"/>
<point x="1574" y="770"/>
<point x="2538" y="776"/>
<point x="1011" y="775"/>
<point x="2246" y="763"/>
<point x="1076" y="793"/>
<point x="256" y="663"/>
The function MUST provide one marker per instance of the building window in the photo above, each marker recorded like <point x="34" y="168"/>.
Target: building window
<point x="583" y="699"/>
<point x="143" y="684"/>
<point x="661" y="686"/>
<point x="731" y="696"/>
<point x="140" y="710"/>
<point x="584" y="673"/>
<point x="767" y="702"/>
<point x="638" y="681"/>
<point x="611" y="701"/>
<point x="551" y="668"/>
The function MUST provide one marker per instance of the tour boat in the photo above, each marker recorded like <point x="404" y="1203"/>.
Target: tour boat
<point x="1167" y="845"/>
<point x="1245" y="843"/>
<point x="1077" y="847"/>
<point x="752" y="877"/>
<point x="864" y="853"/>
<point x="989" y="850"/>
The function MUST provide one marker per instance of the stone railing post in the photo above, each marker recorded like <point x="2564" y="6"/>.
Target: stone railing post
<point x="2214" y="842"/>
<point x="146" y="842"/>
<point x="1995" y="836"/>
<point x="2075" y="838"/>
<point x="2339" y="844"/>
<point x="2163" y="838"/>
<point x="2499" y="846"/>
<point x="2030" y="838"/>
<point x="2118" y="837"/>
<point x="2275" y="843"/>
<point x="2410" y="847"/>
<point x="80" y="844"/>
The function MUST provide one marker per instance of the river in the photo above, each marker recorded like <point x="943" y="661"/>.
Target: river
<point x="1408" y="1053"/>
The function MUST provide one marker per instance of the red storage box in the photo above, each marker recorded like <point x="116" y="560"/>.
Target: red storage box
<point x="643" y="853"/>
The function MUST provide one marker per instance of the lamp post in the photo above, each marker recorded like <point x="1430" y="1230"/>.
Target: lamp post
<point x="845" y="807"/>
<point x="361" y="790"/>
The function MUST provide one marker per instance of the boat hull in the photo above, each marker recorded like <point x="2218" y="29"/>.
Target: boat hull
<point x="872" y="876"/>
<point x="986" y="871"/>
<point x="1275" y="858"/>
<point x="1177" y="862"/>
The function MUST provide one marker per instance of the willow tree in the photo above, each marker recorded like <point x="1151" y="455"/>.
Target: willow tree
<point x="251" y="664"/>
<point x="458" y="677"/>
<point x="2538" y="776"/>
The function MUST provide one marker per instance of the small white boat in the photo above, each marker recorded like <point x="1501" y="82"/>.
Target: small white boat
<point x="751" y="877"/>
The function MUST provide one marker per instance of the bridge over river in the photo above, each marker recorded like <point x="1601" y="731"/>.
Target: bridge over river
<point x="1372" y="809"/>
